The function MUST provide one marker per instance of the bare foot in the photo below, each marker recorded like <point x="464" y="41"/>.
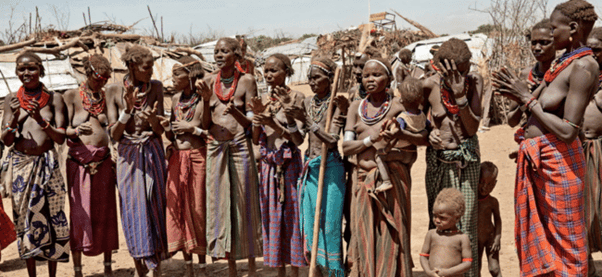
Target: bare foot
<point x="386" y="185"/>
<point x="203" y="270"/>
<point x="252" y="267"/>
<point x="232" y="268"/>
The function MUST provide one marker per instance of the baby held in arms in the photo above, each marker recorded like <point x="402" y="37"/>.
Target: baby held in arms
<point x="412" y="119"/>
<point x="446" y="250"/>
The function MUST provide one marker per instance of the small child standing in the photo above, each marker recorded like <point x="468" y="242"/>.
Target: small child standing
<point x="446" y="250"/>
<point x="490" y="233"/>
<point x="412" y="119"/>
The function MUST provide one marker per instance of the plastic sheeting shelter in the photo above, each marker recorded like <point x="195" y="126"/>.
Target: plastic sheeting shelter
<point x="478" y="44"/>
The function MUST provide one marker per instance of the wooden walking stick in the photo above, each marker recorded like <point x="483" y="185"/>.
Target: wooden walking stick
<point x="314" y="246"/>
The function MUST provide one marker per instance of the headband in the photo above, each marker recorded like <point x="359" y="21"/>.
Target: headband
<point x="320" y="66"/>
<point x="381" y="63"/>
<point x="30" y="64"/>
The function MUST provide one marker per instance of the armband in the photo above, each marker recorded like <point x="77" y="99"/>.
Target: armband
<point x="424" y="255"/>
<point x="250" y="114"/>
<point x="467" y="260"/>
<point x="462" y="101"/>
<point x="292" y="129"/>
<point x="197" y="131"/>
<point x="531" y="105"/>
<point x="368" y="141"/>
<point x="349" y="136"/>
<point x="571" y="123"/>
<point x="124" y="117"/>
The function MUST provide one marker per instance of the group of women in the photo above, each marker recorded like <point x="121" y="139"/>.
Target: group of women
<point x="206" y="195"/>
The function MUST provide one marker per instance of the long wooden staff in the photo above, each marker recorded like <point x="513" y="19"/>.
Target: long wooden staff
<point x="314" y="246"/>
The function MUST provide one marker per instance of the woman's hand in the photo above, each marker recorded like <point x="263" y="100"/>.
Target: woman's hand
<point x="203" y="90"/>
<point x="297" y="113"/>
<point x="256" y="105"/>
<point x="179" y="127"/>
<point x="263" y="119"/>
<point x="84" y="129"/>
<point x="511" y="86"/>
<point x="149" y="116"/>
<point x="33" y="109"/>
<point x="130" y="96"/>
<point x="15" y="106"/>
<point x="435" y="139"/>
<point x="453" y="78"/>
<point x="229" y="108"/>
<point x="342" y="103"/>
<point x="283" y="96"/>
<point x="390" y="129"/>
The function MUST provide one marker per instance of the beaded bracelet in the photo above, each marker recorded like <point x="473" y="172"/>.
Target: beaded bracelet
<point x="571" y="123"/>
<point x="46" y="124"/>
<point x="76" y="132"/>
<point x="526" y="105"/>
<point x="8" y="128"/>
<point x="532" y="104"/>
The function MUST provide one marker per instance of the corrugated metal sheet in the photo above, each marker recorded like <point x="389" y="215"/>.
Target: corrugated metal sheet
<point x="59" y="74"/>
<point x="293" y="49"/>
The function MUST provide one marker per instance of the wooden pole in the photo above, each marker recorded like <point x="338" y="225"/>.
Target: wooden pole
<point x="6" y="82"/>
<point x="314" y="246"/>
<point x="89" y="17"/>
<point x="153" y="20"/>
<point x="85" y="22"/>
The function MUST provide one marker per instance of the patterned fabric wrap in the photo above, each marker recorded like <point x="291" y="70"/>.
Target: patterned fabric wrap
<point x="7" y="229"/>
<point x="458" y="168"/>
<point x="593" y="192"/>
<point x="380" y="243"/>
<point x="141" y="180"/>
<point x="330" y="240"/>
<point x="93" y="219"/>
<point x="232" y="200"/>
<point x="186" y="196"/>
<point x="38" y="201"/>
<point x="550" y="228"/>
<point x="280" y="221"/>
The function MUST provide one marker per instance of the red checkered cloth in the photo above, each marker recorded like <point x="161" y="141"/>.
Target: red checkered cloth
<point x="7" y="229"/>
<point x="550" y="228"/>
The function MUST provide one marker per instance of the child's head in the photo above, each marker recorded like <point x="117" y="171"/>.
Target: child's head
<point x="488" y="178"/>
<point x="411" y="92"/>
<point x="448" y="208"/>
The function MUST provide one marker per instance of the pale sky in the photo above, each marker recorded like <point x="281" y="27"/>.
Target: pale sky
<point x="269" y="17"/>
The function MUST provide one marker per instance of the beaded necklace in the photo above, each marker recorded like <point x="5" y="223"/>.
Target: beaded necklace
<point x="535" y="76"/>
<point x="317" y="108"/>
<point x="218" y="86"/>
<point x="564" y="61"/>
<point x="40" y="94"/>
<point x="185" y="107"/>
<point x="362" y="93"/>
<point x="600" y="81"/>
<point x="142" y="93"/>
<point x="239" y="66"/>
<point x="446" y="95"/>
<point x="448" y="231"/>
<point x="92" y="105"/>
<point x="275" y="104"/>
<point x="382" y="111"/>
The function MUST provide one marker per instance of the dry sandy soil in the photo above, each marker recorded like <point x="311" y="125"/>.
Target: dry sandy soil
<point x="495" y="144"/>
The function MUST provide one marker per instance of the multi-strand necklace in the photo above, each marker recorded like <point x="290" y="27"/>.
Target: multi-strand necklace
<point x="218" y="85"/>
<point x="39" y="95"/>
<point x="564" y="61"/>
<point x="382" y="111"/>
<point x="317" y="108"/>
<point x="91" y="104"/>
<point x="185" y="107"/>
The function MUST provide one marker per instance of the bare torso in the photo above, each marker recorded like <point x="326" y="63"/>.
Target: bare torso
<point x="78" y="116"/>
<point x="314" y="148"/>
<point x="275" y="140"/>
<point x="485" y="224"/>
<point x="225" y="126"/>
<point x="445" y="250"/>
<point x="451" y="128"/>
<point x="187" y="140"/>
<point x="592" y="128"/>
<point x="32" y="140"/>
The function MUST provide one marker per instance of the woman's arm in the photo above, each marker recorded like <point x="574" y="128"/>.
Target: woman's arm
<point x="470" y="114"/>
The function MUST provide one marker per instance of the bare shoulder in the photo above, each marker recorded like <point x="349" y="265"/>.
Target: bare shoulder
<point x="246" y="79"/>
<point x="431" y="82"/>
<point x="299" y="97"/>
<point x="354" y="105"/>
<point x="396" y="106"/>
<point x="113" y="89"/>
<point x="588" y="63"/>
<point x="156" y="84"/>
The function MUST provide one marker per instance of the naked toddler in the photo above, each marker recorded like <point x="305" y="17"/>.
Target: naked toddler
<point x="446" y="250"/>
<point x="490" y="233"/>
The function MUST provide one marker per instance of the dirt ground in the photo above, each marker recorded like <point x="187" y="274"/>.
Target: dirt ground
<point x="495" y="145"/>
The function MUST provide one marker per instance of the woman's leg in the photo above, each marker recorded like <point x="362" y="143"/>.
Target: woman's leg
<point x="31" y="267"/>
<point x="107" y="263"/>
<point x="77" y="263"/>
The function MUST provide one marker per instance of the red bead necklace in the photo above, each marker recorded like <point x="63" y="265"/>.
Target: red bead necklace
<point x="94" y="106"/>
<point x="218" y="86"/>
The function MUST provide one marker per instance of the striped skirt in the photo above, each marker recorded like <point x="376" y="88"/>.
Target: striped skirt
<point x="593" y="192"/>
<point x="141" y="180"/>
<point x="233" y="217"/>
